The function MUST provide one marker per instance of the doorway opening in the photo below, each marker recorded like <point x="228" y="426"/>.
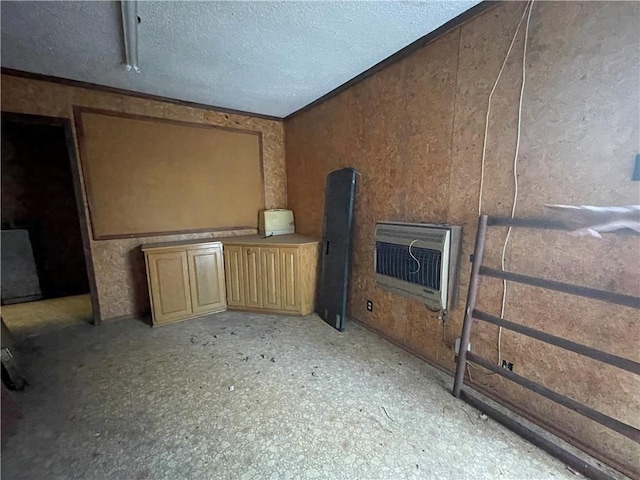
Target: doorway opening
<point x="47" y="282"/>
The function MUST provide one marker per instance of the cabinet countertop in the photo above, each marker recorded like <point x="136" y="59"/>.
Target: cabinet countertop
<point x="274" y="240"/>
<point x="258" y="240"/>
<point x="180" y="243"/>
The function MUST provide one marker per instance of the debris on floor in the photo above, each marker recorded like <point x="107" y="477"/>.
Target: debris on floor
<point x="161" y="410"/>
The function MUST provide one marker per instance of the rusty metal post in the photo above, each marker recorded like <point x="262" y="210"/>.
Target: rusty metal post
<point x="474" y="281"/>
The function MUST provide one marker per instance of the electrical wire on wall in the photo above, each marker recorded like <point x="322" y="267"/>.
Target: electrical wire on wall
<point x="486" y="122"/>
<point x="527" y="12"/>
<point x="442" y="312"/>
<point x="414" y="257"/>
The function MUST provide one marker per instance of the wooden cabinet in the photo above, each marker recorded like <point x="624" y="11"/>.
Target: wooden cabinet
<point x="289" y="279"/>
<point x="185" y="280"/>
<point x="275" y="274"/>
<point x="206" y="278"/>
<point x="270" y="276"/>
<point x="169" y="286"/>
<point x="252" y="284"/>
<point x="193" y="278"/>
<point x="234" y="275"/>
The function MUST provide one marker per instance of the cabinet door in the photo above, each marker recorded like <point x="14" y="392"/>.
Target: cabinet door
<point x="289" y="279"/>
<point x="169" y="280"/>
<point x="206" y="277"/>
<point x="234" y="276"/>
<point x="252" y="284"/>
<point x="270" y="278"/>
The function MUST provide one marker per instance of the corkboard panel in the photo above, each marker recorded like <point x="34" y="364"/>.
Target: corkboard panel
<point x="415" y="132"/>
<point x="119" y="264"/>
<point x="145" y="176"/>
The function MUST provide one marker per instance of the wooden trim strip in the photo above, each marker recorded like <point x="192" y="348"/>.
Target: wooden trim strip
<point x="173" y="232"/>
<point x="603" y="295"/>
<point x="29" y="119"/>
<point x="608" y="358"/>
<point x="79" y="110"/>
<point x="130" y="93"/>
<point x="400" y="54"/>
<point x="610" y="422"/>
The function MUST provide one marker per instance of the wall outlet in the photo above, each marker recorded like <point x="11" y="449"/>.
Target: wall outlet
<point x="457" y="346"/>
<point x="370" y="305"/>
<point x="507" y="365"/>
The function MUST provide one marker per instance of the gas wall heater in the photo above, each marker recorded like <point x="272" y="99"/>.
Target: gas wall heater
<point x="419" y="261"/>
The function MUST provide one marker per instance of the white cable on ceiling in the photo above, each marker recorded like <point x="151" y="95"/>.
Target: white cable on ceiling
<point x="515" y="176"/>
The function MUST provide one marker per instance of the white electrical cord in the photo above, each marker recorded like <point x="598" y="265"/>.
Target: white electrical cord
<point x="413" y="256"/>
<point x="515" y="176"/>
<point x="486" y="122"/>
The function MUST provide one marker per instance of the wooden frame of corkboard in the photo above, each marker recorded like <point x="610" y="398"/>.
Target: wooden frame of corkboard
<point x="139" y="199"/>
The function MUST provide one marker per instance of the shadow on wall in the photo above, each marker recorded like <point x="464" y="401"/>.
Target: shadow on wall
<point x="38" y="196"/>
<point x="138" y="275"/>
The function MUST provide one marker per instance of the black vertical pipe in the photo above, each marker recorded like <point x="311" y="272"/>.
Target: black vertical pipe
<point x="474" y="281"/>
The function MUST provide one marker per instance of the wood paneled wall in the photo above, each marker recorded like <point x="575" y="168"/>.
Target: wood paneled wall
<point x="415" y="132"/>
<point x="119" y="264"/>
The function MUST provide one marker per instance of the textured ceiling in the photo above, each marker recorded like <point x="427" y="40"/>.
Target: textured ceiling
<point x="270" y="58"/>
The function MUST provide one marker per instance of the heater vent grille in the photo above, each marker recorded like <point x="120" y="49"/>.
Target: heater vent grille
<point x="397" y="261"/>
<point x="418" y="261"/>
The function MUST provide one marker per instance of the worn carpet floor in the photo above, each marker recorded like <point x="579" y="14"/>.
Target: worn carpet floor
<point x="244" y="396"/>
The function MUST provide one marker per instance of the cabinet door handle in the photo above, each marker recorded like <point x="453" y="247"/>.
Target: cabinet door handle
<point x="327" y="248"/>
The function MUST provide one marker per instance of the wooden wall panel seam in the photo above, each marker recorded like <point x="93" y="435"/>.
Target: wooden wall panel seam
<point x="453" y="122"/>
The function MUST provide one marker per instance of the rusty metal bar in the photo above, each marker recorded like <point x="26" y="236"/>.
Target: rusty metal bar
<point x="536" y="223"/>
<point x="474" y="280"/>
<point x="603" y="295"/>
<point x="544" y="224"/>
<point x="610" y="422"/>
<point x="538" y="440"/>
<point x="608" y="358"/>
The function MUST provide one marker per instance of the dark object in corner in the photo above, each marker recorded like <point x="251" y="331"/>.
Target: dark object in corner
<point x="336" y="247"/>
<point x="11" y="374"/>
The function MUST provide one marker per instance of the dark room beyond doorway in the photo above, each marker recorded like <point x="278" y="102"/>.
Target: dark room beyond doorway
<point x="42" y="246"/>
